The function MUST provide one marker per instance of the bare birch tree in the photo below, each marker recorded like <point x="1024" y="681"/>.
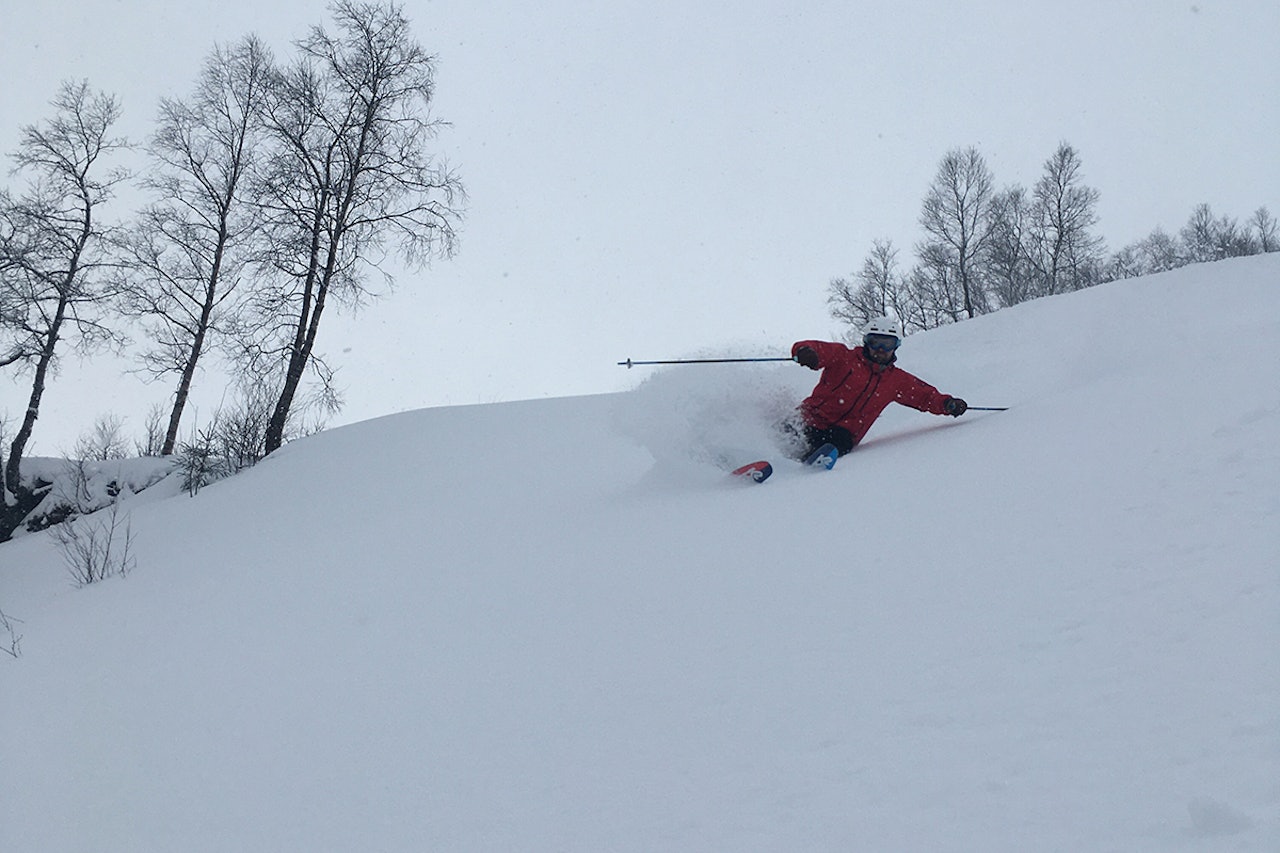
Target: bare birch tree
<point x="1006" y="257"/>
<point x="875" y="290"/>
<point x="1209" y="238"/>
<point x="1066" y="254"/>
<point x="57" y="253"/>
<point x="1266" y="235"/>
<point x="349" y="179"/>
<point x="191" y="247"/>
<point x="955" y="216"/>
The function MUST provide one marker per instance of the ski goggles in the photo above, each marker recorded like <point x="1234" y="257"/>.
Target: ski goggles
<point x="880" y="343"/>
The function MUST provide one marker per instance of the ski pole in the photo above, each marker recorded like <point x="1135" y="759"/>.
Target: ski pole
<point x="630" y="364"/>
<point x="987" y="409"/>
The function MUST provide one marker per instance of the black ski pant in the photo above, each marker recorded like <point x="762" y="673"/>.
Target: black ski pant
<point x="810" y="438"/>
<point x="836" y="435"/>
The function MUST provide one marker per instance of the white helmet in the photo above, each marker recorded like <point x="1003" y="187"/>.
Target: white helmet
<point x="883" y="326"/>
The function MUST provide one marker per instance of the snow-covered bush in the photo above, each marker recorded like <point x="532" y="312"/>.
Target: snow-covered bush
<point x="97" y="546"/>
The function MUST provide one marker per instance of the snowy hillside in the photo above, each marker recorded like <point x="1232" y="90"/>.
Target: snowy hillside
<point x="553" y="626"/>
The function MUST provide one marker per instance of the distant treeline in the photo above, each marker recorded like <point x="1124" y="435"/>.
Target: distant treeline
<point x="985" y="249"/>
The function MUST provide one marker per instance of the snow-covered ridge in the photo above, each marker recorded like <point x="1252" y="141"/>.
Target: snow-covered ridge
<point x="553" y="625"/>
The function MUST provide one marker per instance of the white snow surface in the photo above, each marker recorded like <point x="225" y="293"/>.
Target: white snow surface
<point x="556" y="626"/>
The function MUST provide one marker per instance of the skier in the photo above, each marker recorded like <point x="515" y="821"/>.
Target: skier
<point x="856" y="385"/>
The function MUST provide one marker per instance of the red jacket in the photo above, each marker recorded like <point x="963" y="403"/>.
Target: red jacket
<point x="853" y="391"/>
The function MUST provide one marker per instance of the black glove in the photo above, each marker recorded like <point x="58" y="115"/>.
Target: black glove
<point x="955" y="407"/>
<point x="807" y="357"/>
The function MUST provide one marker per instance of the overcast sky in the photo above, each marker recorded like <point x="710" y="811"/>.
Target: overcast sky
<point x="657" y="179"/>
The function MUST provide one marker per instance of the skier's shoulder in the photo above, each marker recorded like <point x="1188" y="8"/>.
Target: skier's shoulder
<point x="898" y="375"/>
<point x="831" y="352"/>
<point x="903" y="378"/>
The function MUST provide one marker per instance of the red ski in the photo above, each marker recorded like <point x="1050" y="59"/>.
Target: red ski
<point x="756" y="472"/>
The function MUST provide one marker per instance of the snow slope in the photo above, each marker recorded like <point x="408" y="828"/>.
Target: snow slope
<point x="554" y="625"/>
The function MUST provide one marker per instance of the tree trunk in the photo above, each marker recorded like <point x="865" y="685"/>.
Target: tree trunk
<point x="12" y="469"/>
<point x="197" y="347"/>
<point x="184" y="390"/>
